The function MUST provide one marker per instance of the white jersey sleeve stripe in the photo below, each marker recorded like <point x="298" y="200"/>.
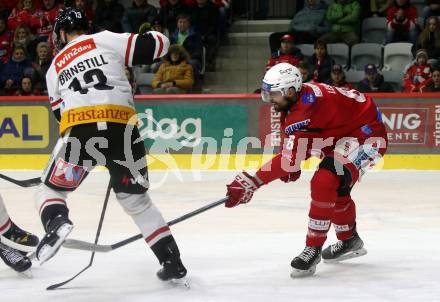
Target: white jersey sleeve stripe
<point x="159" y="48"/>
<point x="162" y="44"/>
<point x="130" y="50"/>
<point x="56" y="104"/>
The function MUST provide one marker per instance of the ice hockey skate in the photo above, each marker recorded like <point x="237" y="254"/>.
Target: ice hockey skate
<point x="344" y="249"/>
<point x="59" y="228"/>
<point x="20" y="236"/>
<point x="305" y="263"/>
<point x="174" y="271"/>
<point x="15" y="260"/>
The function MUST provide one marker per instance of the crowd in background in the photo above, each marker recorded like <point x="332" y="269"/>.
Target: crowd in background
<point x="321" y="22"/>
<point x="194" y="27"/>
<point x="197" y="27"/>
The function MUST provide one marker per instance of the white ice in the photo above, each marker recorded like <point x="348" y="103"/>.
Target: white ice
<point x="241" y="254"/>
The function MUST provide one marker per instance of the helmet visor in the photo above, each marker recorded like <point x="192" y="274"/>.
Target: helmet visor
<point x="267" y="94"/>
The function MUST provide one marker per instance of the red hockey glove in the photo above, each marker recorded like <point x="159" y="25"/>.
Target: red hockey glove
<point x="241" y="189"/>
<point x="291" y="176"/>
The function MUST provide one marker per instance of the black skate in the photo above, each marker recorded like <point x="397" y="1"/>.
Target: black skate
<point x="344" y="249"/>
<point x="57" y="231"/>
<point x="305" y="263"/>
<point x="172" y="270"/>
<point x="23" y="237"/>
<point x="169" y="257"/>
<point x="15" y="260"/>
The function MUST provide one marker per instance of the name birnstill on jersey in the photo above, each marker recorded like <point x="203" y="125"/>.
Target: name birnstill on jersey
<point x="70" y="72"/>
<point x="87" y="83"/>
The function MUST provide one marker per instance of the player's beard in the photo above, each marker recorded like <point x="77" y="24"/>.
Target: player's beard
<point x="285" y="106"/>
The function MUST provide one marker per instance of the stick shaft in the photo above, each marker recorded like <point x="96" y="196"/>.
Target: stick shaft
<point x="32" y="182"/>
<point x="83" y="245"/>
<point x="98" y="232"/>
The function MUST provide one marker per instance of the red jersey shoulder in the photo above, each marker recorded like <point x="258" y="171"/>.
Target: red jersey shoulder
<point x="300" y="116"/>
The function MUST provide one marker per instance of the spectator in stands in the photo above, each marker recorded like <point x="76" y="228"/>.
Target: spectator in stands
<point x="175" y="75"/>
<point x="139" y="13"/>
<point x="17" y="66"/>
<point x="26" y="87"/>
<point x="287" y="53"/>
<point x="429" y="39"/>
<point x="5" y="41"/>
<point x="304" y="70"/>
<point x="157" y="25"/>
<point x="108" y="15"/>
<point x="432" y="8"/>
<point x="40" y="65"/>
<point x="378" y="8"/>
<point x="224" y="8"/>
<point x="132" y="80"/>
<point x="320" y="63"/>
<point x="165" y="3"/>
<point x="338" y="77"/>
<point x="418" y="74"/>
<point x="83" y="5"/>
<point x="23" y="37"/>
<point x="433" y="84"/>
<point x="344" y="17"/>
<point x="45" y="18"/>
<point x="373" y="81"/>
<point x="205" y="19"/>
<point x="170" y="12"/>
<point x="23" y="13"/>
<point x="186" y="36"/>
<point x="402" y="22"/>
<point x="309" y="23"/>
<point x="6" y="6"/>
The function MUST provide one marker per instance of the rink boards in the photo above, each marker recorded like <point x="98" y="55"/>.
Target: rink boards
<point x="219" y="132"/>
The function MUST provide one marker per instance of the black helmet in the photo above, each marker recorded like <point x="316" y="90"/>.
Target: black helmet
<point x="69" y="19"/>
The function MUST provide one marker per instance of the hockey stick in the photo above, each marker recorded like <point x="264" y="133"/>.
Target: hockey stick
<point x="17" y="246"/>
<point x="87" y="246"/>
<point x="32" y="182"/>
<point x="98" y="232"/>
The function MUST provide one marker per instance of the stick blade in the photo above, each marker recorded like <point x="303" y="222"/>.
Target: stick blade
<point x="86" y="246"/>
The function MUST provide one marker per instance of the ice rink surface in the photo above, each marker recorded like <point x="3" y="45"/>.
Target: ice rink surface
<point x="241" y="254"/>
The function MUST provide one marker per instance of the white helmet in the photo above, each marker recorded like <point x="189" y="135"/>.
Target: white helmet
<point x="280" y="78"/>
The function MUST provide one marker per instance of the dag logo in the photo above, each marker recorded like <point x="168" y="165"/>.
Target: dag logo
<point x="67" y="175"/>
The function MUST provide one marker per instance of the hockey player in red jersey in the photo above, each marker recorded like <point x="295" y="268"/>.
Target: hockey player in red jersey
<point x="346" y="127"/>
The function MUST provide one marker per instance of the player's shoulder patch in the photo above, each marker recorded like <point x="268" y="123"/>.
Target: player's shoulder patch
<point x="308" y="98"/>
<point x="315" y="88"/>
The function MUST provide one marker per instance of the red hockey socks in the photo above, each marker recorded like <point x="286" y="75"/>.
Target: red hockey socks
<point x="344" y="218"/>
<point x="324" y="185"/>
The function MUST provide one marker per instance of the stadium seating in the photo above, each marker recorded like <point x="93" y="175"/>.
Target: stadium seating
<point x="373" y="30"/>
<point x="354" y="76"/>
<point x="396" y="56"/>
<point x="339" y="53"/>
<point x="395" y="78"/>
<point x="306" y="49"/>
<point x="365" y="53"/>
<point x="143" y="81"/>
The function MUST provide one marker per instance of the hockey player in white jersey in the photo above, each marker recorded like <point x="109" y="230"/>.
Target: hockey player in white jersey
<point x="92" y="99"/>
<point x="8" y="229"/>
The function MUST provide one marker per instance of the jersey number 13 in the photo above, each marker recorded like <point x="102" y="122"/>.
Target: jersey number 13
<point x="91" y="76"/>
